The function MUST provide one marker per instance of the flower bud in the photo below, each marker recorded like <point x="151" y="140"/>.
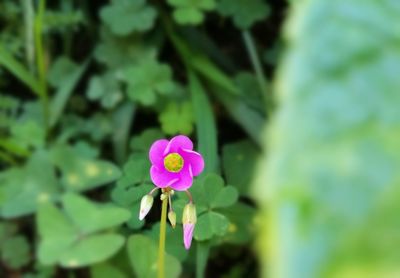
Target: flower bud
<point x="189" y="219"/>
<point x="172" y="218"/>
<point x="145" y="205"/>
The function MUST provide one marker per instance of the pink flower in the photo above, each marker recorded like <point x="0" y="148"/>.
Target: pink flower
<point x="174" y="163"/>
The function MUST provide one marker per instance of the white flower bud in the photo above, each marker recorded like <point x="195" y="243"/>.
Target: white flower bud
<point x="145" y="205"/>
<point x="172" y="218"/>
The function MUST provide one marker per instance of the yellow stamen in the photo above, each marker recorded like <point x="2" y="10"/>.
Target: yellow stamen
<point x="173" y="162"/>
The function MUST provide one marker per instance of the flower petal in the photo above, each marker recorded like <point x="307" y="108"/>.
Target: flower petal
<point x="177" y="143"/>
<point x="185" y="179"/>
<point x="194" y="159"/>
<point x="162" y="178"/>
<point x="188" y="235"/>
<point x="156" y="153"/>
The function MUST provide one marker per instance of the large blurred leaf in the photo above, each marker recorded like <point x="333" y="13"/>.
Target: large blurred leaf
<point x="74" y="238"/>
<point x="177" y="118"/>
<point x="26" y="187"/>
<point x="15" y="252"/>
<point x="331" y="188"/>
<point x="80" y="173"/>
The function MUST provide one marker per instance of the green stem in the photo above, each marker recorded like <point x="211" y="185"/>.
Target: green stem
<point x="161" y="245"/>
<point x="255" y="61"/>
<point x="41" y="62"/>
<point x="29" y="18"/>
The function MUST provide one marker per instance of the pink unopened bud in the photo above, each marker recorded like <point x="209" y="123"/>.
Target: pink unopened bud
<point x="189" y="219"/>
<point x="145" y="205"/>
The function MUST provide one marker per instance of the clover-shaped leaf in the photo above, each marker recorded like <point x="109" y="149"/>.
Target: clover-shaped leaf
<point x="143" y="254"/>
<point x="241" y="227"/>
<point x="147" y="79"/>
<point x="118" y="52"/>
<point x="126" y="16"/>
<point x="244" y="12"/>
<point x="27" y="134"/>
<point x="143" y="141"/>
<point x="61" y="70"/>
<point x="15" y="252"/>
<point x="26" y="187"/>
<point x="210" y="196"/>
<point x="80" y="173"/>
<point x="74" y="238"/>
<point x="106" y="270"/>
<point x="191" y="12"/>
<point x="105" y="89"/>
<point x="238" y="161"/>
<point x="132" y="186"/>
<point x="177" y="118"/>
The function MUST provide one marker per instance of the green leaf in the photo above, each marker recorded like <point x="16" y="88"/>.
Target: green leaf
<point x="119" y="52"/>
<point x="177" y="118"/>
<point x="27" y="187"/>
<point x="28" y="134"/>
<point x="211" y="193"/>
<point x="144" y="141"/>
<point x="106" y="270"/>
<point x="244" y="12"/>
<point x="91" y="217"/>
<point x="191" y="12"/>
<point x="93" y="249"/>
<point x="210" y="224"/>
<point x="205" y="124"/>
<point x="147" y="79"/>
<point x="11" y="64"/>
<point x="66" y="86"/>
<point x="329" y="188"/>
<point x="143" y="254"/>
<point x="242" y="220"/>
<point x="15" y="252"/>
<point x="67" y="241"/>
<point x="250" y="91"/>
<point x="105" y="89"/>
<point x="80" y="173"/>
<point x="239" y="161"/>
<point x="124" y="17"/>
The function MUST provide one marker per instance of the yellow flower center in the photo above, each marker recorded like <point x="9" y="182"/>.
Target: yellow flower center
<point x="173" y="162"/>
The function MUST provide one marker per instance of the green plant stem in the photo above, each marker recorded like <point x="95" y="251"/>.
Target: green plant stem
<point x="41" y="62"/>
<point x="255" y="61"/>
<point x="161" y="245"/>
<point x="29" y="18"/>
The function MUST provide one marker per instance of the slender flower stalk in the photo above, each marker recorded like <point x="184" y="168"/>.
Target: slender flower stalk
<point x="161" y="245"/>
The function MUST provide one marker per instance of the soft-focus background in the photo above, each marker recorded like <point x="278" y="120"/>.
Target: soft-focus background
<point x="294" y="106"/>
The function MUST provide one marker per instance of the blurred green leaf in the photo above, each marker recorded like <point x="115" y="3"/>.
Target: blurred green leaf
<point x="105" y="89"/>
<point x="205" y="124"/>
<point x="177" y="118"/>
<point x="27" y="187"/>
<point x="147" y="79"/>
<point x="132" y="186"/>
<point x="241" y="226"/>
<point x="143" y="253"/>
<point x="250" y="91"/>
<point x="66" y="84"/>
<point x="126" y="16"/>
<point x="91" y="218"/>
<point x="15" y="252"/>
<point x="80" y="173"/>
<point x="16" y="68"/>
<point x="106" y="270"/>
<point x="191" y="12"/>
<point x="330" y="186"/>
<point x="68" y="239"/>
<point x="239" y="160"/>
<point x="144" y="141"/>
<point x="28" y="134"/>
<point x="244" y="12"/>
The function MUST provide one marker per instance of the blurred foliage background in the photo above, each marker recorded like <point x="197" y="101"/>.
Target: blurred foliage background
<point x="87" y="86"/>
